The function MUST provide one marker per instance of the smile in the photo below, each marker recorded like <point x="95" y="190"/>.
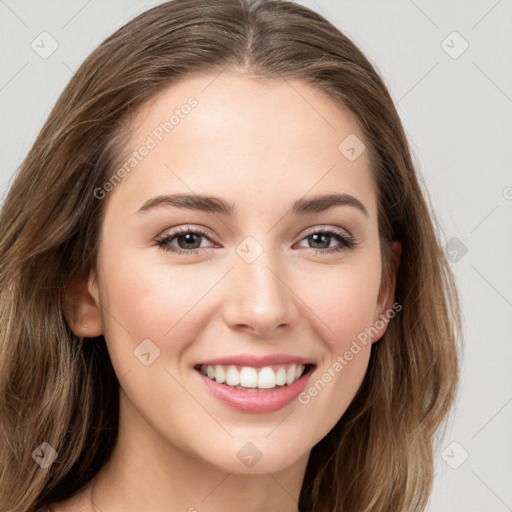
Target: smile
<point x="255" y="384"/>
<point x="249" y="378"/>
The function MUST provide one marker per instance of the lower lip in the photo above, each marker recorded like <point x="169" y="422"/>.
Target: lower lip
<point x="255" y="401"/>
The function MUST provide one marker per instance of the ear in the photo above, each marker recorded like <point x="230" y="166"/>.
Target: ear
<point x="82" y="307"/>
<point x="386" y="294"/>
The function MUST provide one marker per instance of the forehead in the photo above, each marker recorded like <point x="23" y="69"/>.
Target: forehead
<point x="248" y="138"/>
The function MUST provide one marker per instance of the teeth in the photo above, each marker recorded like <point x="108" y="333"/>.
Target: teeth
<point x="281" y="377"/>
<point x="266" y="378"/>
<point x="247" y="377"/>
<point x="220" y="374"/>
<point x="290" y="374"/>
<point x="232" y="376"/>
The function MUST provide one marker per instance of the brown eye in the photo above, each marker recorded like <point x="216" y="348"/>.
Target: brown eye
<point x="188" y="241"/>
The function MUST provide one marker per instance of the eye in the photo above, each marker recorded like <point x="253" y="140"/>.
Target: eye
<point x="321" y="239"/>
<point x="185" y="240"/>
<point x="188" y="240"/>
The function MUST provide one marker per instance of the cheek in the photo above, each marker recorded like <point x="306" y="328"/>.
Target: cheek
<point x="147" y="300"/>
<point x="345" y="305"/>
<point x="146" y="293"/>
<point x="342" y="299"/>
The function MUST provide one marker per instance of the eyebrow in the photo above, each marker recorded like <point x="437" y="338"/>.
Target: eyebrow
<point x="212" y="204"/>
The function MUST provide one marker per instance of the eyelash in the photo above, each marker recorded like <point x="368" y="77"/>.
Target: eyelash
<point x="346" y="241"/>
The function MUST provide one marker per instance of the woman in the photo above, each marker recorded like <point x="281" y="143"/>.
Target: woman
<point x="221" y="286"/>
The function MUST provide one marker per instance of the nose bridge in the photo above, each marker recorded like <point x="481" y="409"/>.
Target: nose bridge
<point x="259" y="297"/>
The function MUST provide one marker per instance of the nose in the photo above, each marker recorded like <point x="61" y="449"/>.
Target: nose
<point x="259" y="296"/>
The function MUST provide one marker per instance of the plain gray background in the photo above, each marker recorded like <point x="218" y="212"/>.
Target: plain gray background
<point x="456" y="107"/>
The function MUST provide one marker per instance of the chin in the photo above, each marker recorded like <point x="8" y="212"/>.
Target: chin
<point x="257" y="457"/>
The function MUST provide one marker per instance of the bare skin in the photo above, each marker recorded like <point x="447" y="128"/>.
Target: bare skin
<point x="262" y="145"/>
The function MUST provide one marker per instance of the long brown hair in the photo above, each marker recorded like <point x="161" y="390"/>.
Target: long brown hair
<point x="61" y="389"/>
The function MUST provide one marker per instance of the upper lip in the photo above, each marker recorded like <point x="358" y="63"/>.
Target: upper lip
<point x="257" y="361"/>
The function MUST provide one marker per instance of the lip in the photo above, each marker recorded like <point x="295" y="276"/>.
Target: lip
<point x="257" y="402"/>
<point x="257" y="361"/>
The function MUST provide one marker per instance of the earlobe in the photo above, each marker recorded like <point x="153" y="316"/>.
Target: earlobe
<point x="389" y="295"/>
<point x="82" y="307"/>
<point x="396" y="256"/>
<point x="387" y="292"/>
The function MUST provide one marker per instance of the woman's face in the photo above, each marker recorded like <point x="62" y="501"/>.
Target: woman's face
<point x="240" y="281"/>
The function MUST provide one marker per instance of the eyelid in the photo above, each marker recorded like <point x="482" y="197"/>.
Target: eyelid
<point x="171" y="233"/>
<point x="186" y="228"/>
<point x="321" y="228"/>
<point x="347" y="239"/>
